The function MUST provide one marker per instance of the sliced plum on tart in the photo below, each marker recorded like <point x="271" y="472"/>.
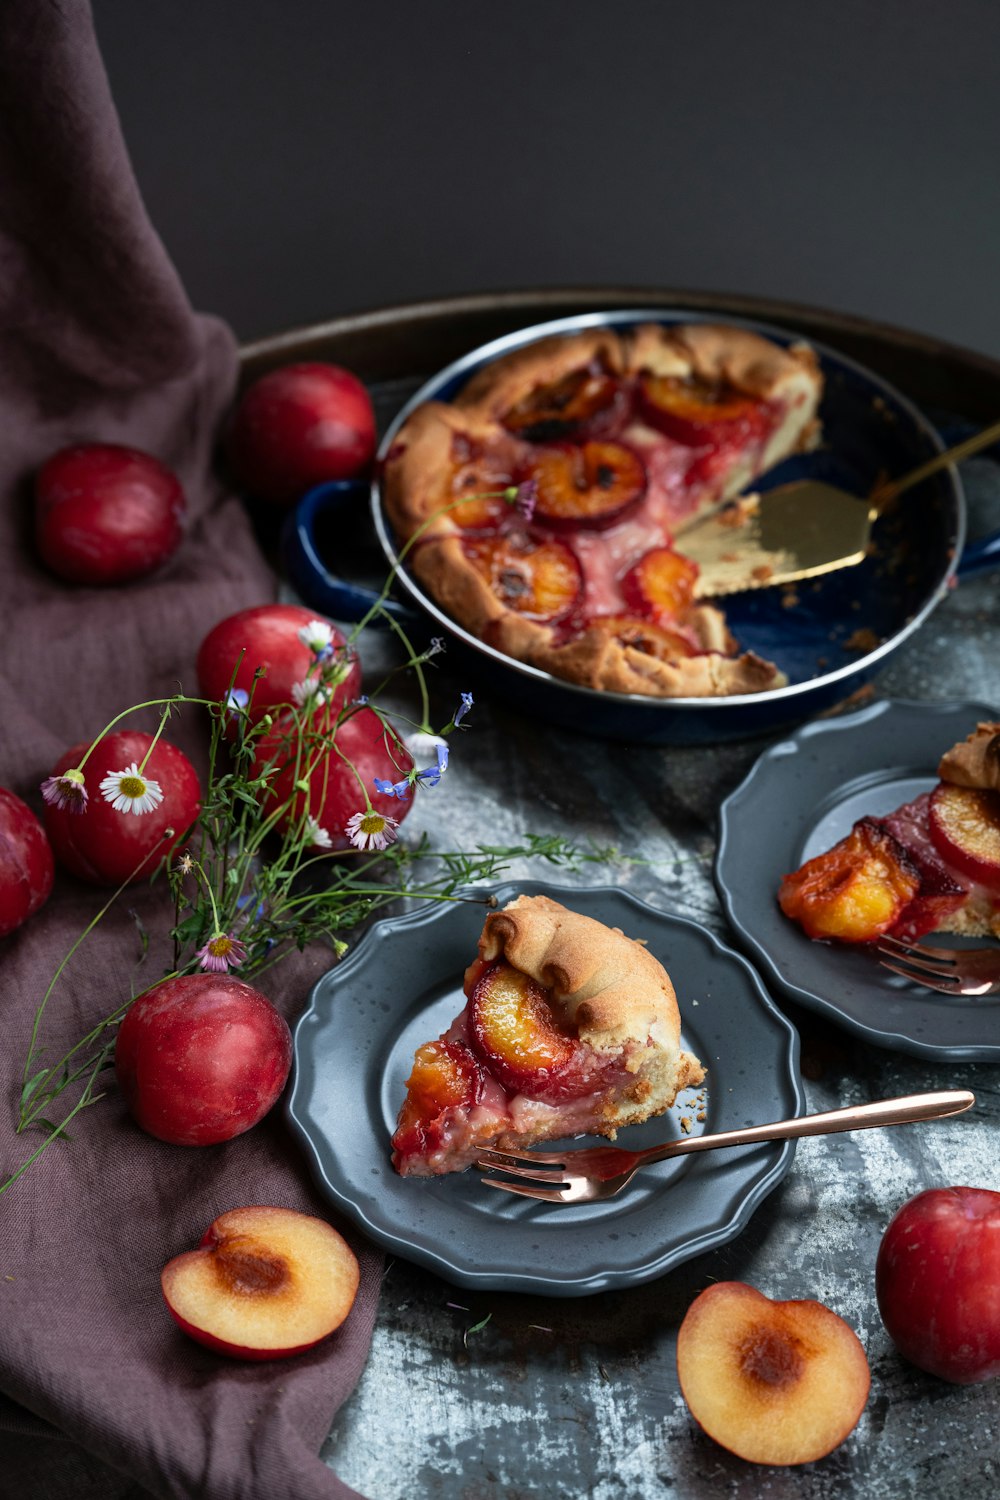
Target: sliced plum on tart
<point x="932" y="865"/>
<point x="704" y="414"/>
<point x="531" y="575"/>
<point x="661" y="584"/>
<point x="592" y="485"/>
<point x="570" y="1027"/>
<point x="580" y="404"/>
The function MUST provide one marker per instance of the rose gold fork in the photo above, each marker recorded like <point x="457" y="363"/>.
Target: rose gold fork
<point x="601" y="1171"/>
<point x="953" y="971"/>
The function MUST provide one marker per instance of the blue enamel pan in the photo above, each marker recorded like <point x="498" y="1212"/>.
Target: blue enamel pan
<point x="835" y="637"/>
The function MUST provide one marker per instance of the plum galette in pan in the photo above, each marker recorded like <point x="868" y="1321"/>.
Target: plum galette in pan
<point x="619" y="438"/>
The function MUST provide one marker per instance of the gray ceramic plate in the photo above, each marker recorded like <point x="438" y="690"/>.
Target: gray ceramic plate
<point x="801" y="796"/>
<point x="402" y="985"/>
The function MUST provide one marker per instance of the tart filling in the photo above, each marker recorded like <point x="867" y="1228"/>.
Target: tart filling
<point x="620" y="439"/>
<point x="570" y="1027"/>
<point x="932" y="865"/>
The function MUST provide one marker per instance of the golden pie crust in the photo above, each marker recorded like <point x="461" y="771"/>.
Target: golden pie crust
<point x="975" y="762"/>
<point x="609" y="987"/>
<point x="445" y="450"/>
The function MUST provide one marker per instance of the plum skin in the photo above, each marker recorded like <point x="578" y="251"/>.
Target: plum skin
<point x="27" y="866"/>
<point x="106" y="514"/>
<point x="106" y="847"/>
<point x="266" y="636"/>
<point x="201" y="1058"/>
<point x="937" y="1282"/>
<point x="299" y="426"/>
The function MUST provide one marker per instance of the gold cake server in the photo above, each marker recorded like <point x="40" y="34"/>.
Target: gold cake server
<point x="798" y="530"/>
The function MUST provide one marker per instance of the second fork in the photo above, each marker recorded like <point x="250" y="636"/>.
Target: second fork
<point x="951" y="971"/>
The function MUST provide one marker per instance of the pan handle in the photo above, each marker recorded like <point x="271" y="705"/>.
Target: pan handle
<point x="305" y="569"/>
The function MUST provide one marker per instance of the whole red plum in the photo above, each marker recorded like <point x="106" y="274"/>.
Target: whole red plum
<point x="365" y="748"/>
<point x="266" y="636"/>
<point x="26" y="863"/>
<point x="105" y="514"/>
<point x="299" y="426"/>
<point x="937" y="1281"/>
<point x="105" y="846"/>
<point x="201" y="1058"/>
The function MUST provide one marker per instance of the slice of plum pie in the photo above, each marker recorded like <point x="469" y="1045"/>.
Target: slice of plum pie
<point x="570" y="1027"/>
<point x="932" y="865"/>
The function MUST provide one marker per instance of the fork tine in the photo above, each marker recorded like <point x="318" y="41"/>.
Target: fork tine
<point x="550" y="1174"/>
<point x="490" y="1158"/>
<point x="913" y="952"/>
<point x="931" y="979"/>
<point x="547" y="1195"/>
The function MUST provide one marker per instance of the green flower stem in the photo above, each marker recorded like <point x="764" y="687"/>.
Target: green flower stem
<point x="135" y="708"/>
<point x="164" y="716"/>
<point x="87" y="1097"/>
<point x="59" y="971"/>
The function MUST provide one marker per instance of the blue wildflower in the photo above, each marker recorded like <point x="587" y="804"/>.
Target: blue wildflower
<point x="466" y="705"/>
<point x="392" y="788"/>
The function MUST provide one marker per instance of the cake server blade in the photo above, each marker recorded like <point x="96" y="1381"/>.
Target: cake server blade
<point x="798" y="530"/>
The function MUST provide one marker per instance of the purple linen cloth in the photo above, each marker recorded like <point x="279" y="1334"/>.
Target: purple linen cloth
<point x="100" y="1394"/>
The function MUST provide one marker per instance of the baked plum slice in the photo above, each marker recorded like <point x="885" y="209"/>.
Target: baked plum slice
<point x="661" y="584"/>
<point x="446" y="1078"/>
<point x="702" y="415"/>
<point x="647" y="636"/>
<point x="592" y="485"/>
<point x="538" y="577"/>
<point x="523" y="1042"/>
<point x="856" y="890"/>
<point x="965" y="828"/>
<point x="583" y="403"/>
<point x="474" y="484"/>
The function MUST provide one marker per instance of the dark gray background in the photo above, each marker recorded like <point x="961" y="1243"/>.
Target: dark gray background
<point x="304" y="159"/>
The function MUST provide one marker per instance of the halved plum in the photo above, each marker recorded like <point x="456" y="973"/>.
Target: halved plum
<point x="524" y="1043"/>
<point x="855" y="891"/>
<point x="446" y="1076"/>
<point x="661" y="584"/>
<point x="590" y="486"/>
<point x="965" y="827"/>
<point x="536" y="577"/>
<point x="583" y="403"/>
<point x="699" y="414"/>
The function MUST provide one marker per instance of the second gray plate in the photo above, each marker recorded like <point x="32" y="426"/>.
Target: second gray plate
<point x="800" y="797"/>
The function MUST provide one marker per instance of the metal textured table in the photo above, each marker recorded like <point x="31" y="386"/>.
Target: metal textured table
<point x="491" y="1396"/>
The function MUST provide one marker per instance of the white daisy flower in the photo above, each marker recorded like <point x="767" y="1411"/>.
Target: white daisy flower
<point x="422" y="745"/>
<point x="131" y="791"/>
<point x="371" y="830"/>
<point x="316" y="835"/>
<point x="310" y="691"/>
<point x="317" y="635"/>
